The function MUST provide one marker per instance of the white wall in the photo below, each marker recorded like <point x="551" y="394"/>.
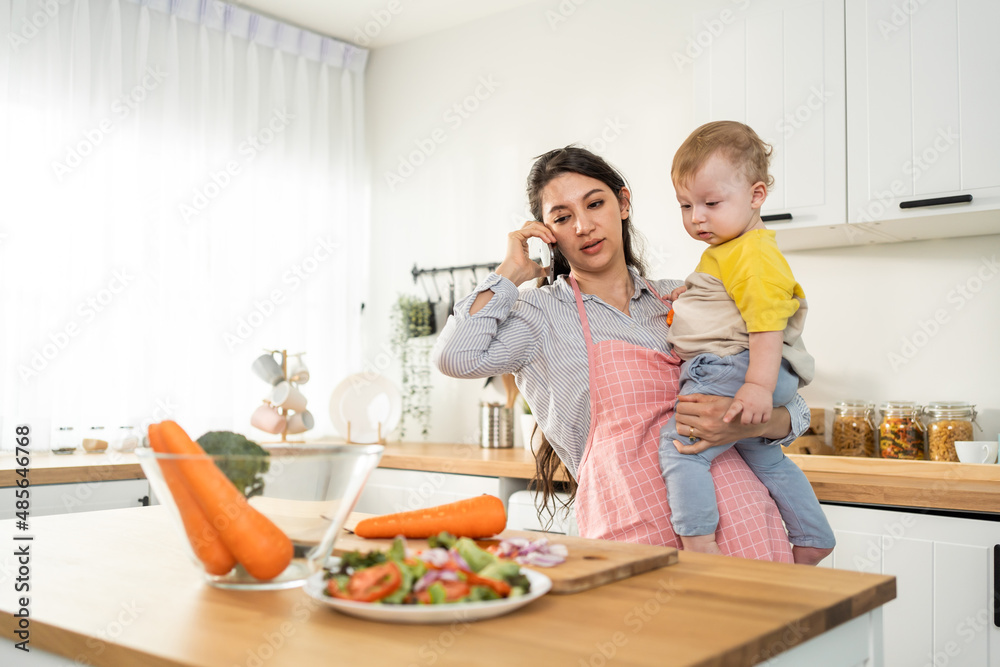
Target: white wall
<point x="559" y="76"/>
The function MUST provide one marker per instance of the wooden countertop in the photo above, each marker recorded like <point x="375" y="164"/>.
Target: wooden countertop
<point x="49" y="468"/>
<point x="926" y="484"/>
<point x="116" y="588"/>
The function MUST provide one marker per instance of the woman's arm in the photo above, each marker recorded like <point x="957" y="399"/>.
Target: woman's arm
<point x="704" y="414"/>
<point x="482" y="339"/>
<point x="499" y="338"/>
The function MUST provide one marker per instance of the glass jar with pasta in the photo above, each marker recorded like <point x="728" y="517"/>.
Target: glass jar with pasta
<point x="854" y="428"/>
<point x="946" y="423"/>
<point x="901" y="434"/>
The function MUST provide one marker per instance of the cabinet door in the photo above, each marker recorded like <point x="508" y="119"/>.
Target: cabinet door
<point x="943" y="611"/>
<point x="778" y="66"/>
<point x="921" y="114"/>
<point x="49" y="499"/>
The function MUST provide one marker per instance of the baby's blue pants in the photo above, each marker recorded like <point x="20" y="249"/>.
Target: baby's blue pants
<point x="690" y="490"/>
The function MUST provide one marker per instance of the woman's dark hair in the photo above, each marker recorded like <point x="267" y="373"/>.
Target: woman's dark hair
<point x="576" y="160"/>
<point x="548" y="466"/>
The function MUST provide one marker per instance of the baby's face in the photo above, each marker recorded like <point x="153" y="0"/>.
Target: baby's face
<point x="718" y="204"/>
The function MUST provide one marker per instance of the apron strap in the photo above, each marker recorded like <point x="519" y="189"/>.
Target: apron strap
<point x="583" y="313"/>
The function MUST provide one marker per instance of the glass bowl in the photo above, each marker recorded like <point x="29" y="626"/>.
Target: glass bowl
<point x="307" y="491"/>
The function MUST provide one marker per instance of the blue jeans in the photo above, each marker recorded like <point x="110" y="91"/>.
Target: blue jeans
<point x="690" y="490"/>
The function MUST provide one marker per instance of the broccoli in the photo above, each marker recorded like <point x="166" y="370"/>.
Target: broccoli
<point x="245" y="474"/>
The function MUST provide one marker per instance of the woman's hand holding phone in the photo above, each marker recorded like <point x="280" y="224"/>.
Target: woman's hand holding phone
<point x="517" y="265"/>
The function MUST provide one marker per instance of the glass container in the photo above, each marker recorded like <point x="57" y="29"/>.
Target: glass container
<point x="901" y="434"/>
<point x="126" y="439"/>
<point x="854" y="428"/>
<point x="65" y="441"/>
<point x="96" y="440"/>
<point x="946" y="423"/>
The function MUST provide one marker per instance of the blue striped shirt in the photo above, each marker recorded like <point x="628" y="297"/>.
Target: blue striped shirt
<point x="536" y="335"/>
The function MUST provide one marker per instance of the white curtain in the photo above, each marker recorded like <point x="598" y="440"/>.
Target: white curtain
<point x="182" y="187"/>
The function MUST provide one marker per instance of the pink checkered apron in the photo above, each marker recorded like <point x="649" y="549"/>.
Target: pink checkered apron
<point x="621" y="495"/>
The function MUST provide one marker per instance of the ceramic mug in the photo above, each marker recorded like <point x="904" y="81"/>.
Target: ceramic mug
<point x="268" y="419"/>
<point x="267" y="369"/>
<point x="286" y="395"/>
<point x="300" y="422"/>
<point x="976" y="451"/>
<point x="297" y="371"/>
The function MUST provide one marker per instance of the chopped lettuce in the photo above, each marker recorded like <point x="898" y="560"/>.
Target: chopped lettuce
<point x="437" y="593"/>
<point x="480" y="594"/>
<point x="443" y="539"/>
<point x="501" y="570"/>
<point x="476" y="558"/>
<point x="355" y="560"/>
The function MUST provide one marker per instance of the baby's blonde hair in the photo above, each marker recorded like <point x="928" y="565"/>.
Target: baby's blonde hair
<point x="737" y="142"/>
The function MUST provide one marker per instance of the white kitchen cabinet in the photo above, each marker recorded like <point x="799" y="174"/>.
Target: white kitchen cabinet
<point x="922" y="93"/>
<point x="392" y="490"/>
<point x="47" y="499"/>
<point x="943" y="611"/>
<point x="778" y="66"/>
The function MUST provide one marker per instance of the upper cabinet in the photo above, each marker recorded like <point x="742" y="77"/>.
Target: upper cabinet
<point x="923" y="85"/>
<point x="779" y="68"/>
<point x="873" y="107"/>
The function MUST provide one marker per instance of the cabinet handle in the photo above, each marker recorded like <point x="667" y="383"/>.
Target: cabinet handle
<point x="144" y="501"/>
<point x="776" y="217"/>
<point x="936" y="201"/>
<point x="996" y="585"/>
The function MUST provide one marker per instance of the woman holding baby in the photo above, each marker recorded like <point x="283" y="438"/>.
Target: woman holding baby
<point x="590" y="355"/>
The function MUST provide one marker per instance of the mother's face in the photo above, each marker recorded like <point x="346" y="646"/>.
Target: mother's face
<point x="586" y="219"/>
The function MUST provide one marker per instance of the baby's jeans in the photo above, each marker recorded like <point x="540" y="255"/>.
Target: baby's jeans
<point x="690" y="490"/>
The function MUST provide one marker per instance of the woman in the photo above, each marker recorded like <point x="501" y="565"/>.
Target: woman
<point x="590" y="356"/>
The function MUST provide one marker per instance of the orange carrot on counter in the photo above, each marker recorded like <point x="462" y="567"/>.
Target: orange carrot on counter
<point x="204" y="539"/>
<point x="258" y="545"/>
<point x="482" y="516"/>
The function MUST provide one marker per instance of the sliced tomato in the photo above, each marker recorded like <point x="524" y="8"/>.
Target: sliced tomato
<point x="334" y="589"/>
<point x="373" y="583"/>
<point x="501" y="588"/>
<point x="453" y="590"/>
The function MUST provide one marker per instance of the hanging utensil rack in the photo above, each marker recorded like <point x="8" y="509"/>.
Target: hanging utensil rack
<point x="417" y="272"/>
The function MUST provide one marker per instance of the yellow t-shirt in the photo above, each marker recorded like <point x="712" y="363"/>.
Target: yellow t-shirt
<point x="741" y="286"/>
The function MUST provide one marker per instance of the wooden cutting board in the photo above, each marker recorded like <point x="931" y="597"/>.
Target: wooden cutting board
<point x="590" y="563"/>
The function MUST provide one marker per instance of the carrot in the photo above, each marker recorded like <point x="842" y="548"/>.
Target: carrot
<point x="253" y="539"/>
<point x="204" y="539"/>
<point x="481" y="516"/>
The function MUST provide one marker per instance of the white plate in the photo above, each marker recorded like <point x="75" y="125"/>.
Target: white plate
<point x="364" y="400"/>
<point x="428" y="613"/>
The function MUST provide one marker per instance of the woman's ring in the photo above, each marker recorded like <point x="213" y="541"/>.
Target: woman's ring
<point x="691" y="434"/>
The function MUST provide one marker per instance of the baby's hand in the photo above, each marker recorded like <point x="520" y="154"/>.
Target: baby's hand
<point x="677" y="292"/>
<point x="754" y="401"/>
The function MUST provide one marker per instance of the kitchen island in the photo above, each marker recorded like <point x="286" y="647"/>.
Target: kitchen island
<point x="116" y="588"/>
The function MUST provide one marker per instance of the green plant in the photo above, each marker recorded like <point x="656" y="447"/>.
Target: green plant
<point x="411" y="328"/>
<point x="525" y="407"/>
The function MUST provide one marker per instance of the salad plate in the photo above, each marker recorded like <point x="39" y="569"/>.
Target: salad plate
<point x="366" y="400"/>
<point x="427" y="613"/>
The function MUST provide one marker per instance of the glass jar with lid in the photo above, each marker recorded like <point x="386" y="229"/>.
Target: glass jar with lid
<point x="95" y="440"/>
<point x="946" y="423"/>
<point x="901" y="433"/>
<point x="65" y="440"/>
<point x="854" y="428"/>
<point x="126" y="439"/>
